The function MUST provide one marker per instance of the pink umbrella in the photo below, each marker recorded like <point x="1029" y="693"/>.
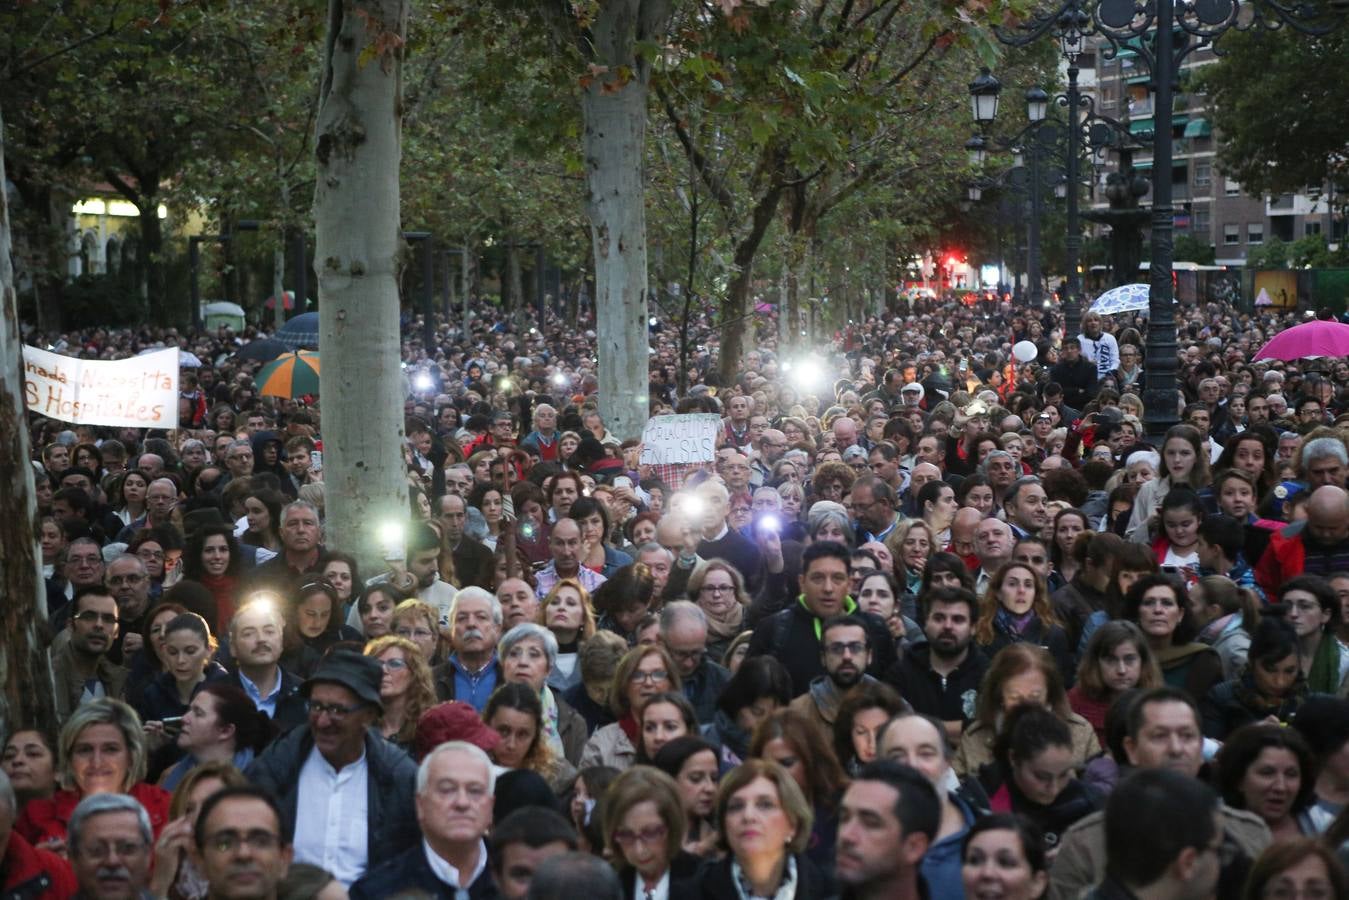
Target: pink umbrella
<point x="1308" y="341"/>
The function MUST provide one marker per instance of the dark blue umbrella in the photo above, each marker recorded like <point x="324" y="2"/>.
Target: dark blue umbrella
<point x="262" y="350"/>
<point x="301" y="332"/>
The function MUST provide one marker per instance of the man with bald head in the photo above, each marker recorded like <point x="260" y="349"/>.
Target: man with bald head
<point x="845" y="433"/>
<point x="1317" y="545"/>
<point x="151" y="465"/>
<point x="161" y="499"/>
<point x="966" y="520"/>
<point x="735" y="471"/>
<point x="921" y="475"/>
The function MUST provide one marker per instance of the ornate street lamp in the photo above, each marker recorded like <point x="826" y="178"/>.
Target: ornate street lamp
<point x="984" y="92"/>
<point x="1162" y="33"/>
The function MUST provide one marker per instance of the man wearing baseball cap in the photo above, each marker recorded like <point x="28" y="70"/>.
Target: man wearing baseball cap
<point x="346" y="794"/>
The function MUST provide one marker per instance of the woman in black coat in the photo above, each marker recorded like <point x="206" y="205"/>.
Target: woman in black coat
<point x="1034" y="773"/>
<point x="764" y="822"/>
<point x="644" y="828"/>
<point x="1271" y="685"/>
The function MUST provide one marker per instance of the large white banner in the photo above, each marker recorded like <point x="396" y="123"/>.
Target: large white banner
<point x="141" y="392"/>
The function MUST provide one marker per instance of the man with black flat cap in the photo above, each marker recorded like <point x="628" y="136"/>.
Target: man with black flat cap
<point x="346" y="794"/>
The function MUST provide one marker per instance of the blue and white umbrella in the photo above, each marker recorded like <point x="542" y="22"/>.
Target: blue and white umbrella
<point x="1125" y="298"/>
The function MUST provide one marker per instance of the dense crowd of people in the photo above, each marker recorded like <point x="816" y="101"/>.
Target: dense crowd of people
<point x="935" y="621"/>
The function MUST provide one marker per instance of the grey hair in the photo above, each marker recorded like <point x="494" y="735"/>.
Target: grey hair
<point x="713" y="486"/>
<point x="1322" y="447"/>
<point x="125" y="557"/>
<point x="192" y="444"/>
<point x="236" y="444"/>
<point x="526" y="631"/>
<point x="457" y="467"/>
<point x="97" y="805"/>
<point x="477" y="593"/>
<point x="769" y="492"/>
<point x="300" y="504"/>
<point x="653" y="547"/>
<point x="822" y="511"/>
<point x="1152" y="457"/>
<point x="473" y="750"/>
<point x="983" y="466"/>
<point x="677" y="611"/>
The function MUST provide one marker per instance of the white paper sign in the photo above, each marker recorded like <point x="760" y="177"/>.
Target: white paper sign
<point x="672" y="440"/>
<point x="141" y="392"/>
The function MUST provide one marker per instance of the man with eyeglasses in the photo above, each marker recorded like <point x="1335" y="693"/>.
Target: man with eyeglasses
<point x="344" y="792"/>
<point x="81" y="666"/>
<point x="238" y="844"/>
<point x="83" y="567"/>
<point x="845" y="653"/>
<point x="129" y="583"/>
<point x="110" y="845"/>
<point x="873" y="502"/>
<point x="455" y="795"/>
<point x="795" y="635"/>
<point x="683" y="631"/>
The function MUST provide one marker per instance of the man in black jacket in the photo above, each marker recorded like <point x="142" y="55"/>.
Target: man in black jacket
<point x="941" y="677"/>
<point x="1077" y="375"/>
<point x="345" y="793"/>
<point x="454" y="808"/>
<point x="793" y="635"/>
<point x="256" y="634"/>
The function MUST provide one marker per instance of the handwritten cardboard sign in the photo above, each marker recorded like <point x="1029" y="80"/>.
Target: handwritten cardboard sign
<point x="675" y="440"/>
<point x="141" y="392"/>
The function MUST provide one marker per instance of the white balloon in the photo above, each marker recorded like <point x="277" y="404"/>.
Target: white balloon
<point x="1025" y="351"/>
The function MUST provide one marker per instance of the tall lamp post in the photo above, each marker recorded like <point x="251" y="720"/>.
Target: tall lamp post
<point x="1163" y="33"/>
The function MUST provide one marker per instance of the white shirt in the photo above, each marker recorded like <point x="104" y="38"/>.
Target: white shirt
<point x="332" y="821"/>
<point x="1104" y="351"/>
<point x="660" y="892"/>
<point x="448" y="873"/>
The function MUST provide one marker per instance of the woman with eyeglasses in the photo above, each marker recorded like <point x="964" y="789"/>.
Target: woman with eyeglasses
<point x="642" y="673"/>
<point x="419" y="622"/>
<point x="644" y="827"/>
<point x="406" y="689"/>
<point x="719" y="591"/>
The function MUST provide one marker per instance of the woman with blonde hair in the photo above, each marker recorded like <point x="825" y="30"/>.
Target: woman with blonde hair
<point x="175" y="876"/>
<point x="719" y="591"/>
<point x="912" y="544"/>
<point x="768" y="860"/>
<point x="419" y="622"/>
<point x="102" y="751"/>
<point x="567" y="612"/>
<point x="406" y="690"/>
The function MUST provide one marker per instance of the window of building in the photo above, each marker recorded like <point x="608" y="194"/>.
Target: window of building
<point x="1231" y="188"/>
<point x="1203" y="174"/>
<point x="1255" y="233"/>
<point x="1231" y="234"/>
<point x="1202" y="223"/>
<point x="1311" y="226"/>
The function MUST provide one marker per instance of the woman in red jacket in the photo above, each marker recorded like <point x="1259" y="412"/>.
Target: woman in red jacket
<point x="102" y="751"/>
